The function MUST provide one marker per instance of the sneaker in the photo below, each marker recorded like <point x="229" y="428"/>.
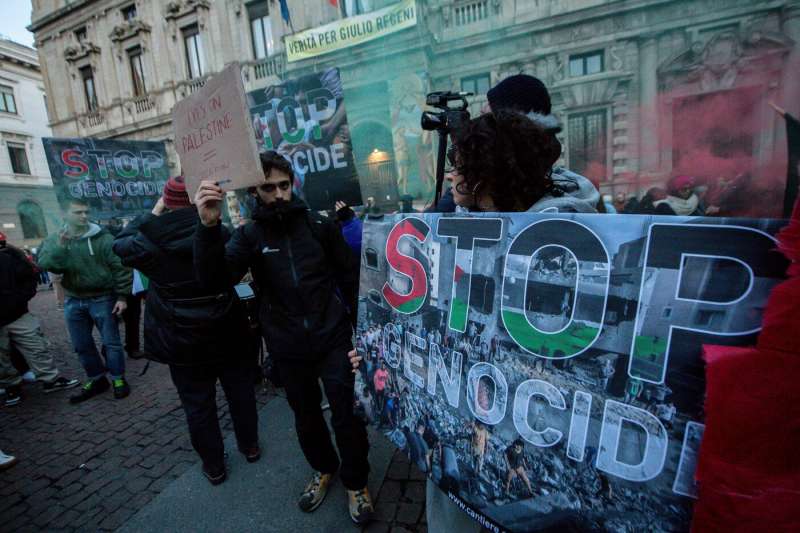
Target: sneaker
<point x="251" y="453"/>
<point x="7" y="461"/>
<point x="60" y="383"/>
<point x="90" y="389"/>
<point x="315" y="492"/>
<point x="215" y="475"/>
<point x="360" y="506"/>
<point x="121" y="388"/>
<point x="13" y="395"/>
<point x="137" y="354"/>
<point x="29" y="377"/>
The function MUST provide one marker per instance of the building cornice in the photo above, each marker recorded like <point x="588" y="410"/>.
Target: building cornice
<point x="53" y="16"/>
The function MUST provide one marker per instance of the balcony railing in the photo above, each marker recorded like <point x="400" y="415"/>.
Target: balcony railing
<point x="195" y="84"/>
<point x="94" y="119"/>
<point x="470" y="12"/>
<point x="273" y="66"/>
<point x="143" y="104"/>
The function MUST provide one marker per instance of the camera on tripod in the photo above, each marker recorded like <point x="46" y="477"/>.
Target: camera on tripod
<point x="446" y="122"/>
<point x="451" y="117"/>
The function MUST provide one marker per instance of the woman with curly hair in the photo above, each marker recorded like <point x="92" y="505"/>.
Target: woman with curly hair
<point x="503" y="162"/>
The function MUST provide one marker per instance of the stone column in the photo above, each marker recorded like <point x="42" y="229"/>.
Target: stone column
<point x="648" y="106"/>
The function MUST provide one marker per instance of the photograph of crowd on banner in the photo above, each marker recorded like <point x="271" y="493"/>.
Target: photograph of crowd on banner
<point x="545" y="370"/>
<point x="119" y="179"/>
<point x="305" y="120"/>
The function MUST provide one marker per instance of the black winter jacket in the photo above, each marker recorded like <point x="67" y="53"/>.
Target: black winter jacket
<point x="298" y="259"/>
<point x="185" y="324"/>
<point x="17" y="284"/>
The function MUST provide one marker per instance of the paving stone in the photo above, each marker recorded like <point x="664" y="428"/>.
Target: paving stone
<point x="391" y="491"/>
<point x="131" y="450"/>
<point x="415" y="492"/>
<point x="409" y="513"/>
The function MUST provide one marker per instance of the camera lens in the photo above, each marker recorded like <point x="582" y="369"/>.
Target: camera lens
<point x="433" y="121"/>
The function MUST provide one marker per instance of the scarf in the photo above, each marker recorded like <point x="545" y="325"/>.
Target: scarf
<point x="679" y="205"/>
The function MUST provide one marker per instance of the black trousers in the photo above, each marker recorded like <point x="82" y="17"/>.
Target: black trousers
<point x="303" y="392"/>
<point x="197" y="390"/>
<point x="132" y="317"/>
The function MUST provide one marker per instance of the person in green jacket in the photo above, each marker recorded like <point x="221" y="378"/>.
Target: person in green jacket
<point x="95" y="284"/>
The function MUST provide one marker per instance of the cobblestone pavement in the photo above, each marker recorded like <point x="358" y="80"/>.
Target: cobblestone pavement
<point x="400" y="505"/>
<point x="89" y="467"/>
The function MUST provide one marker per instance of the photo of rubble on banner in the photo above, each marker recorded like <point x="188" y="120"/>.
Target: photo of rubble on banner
<point x="304" y="119"/>
<point x="545" y="370"/>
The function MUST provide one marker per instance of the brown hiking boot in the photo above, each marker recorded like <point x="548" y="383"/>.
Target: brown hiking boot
<point x="360" y="506"/>
<point x="315" y="492"/>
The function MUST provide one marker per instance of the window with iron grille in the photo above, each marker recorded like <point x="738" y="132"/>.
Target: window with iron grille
<point x="585" y="64"/>
<point x="7" y="102"/>
<point x="588" y="138"/>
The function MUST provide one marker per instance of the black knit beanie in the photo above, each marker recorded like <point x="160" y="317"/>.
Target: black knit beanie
<point x="520" y="92"/>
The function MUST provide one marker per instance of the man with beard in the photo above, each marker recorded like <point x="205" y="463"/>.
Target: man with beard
<point x="309" y="285"/>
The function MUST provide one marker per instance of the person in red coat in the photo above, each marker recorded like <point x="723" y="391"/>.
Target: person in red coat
<point x="748" y="471"/>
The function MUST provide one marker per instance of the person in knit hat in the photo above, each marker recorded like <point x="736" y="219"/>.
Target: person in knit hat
<point x="681" y="199"/>
<point x="175" y="195"/>
<point x="525" y="94"/>
<point x="201" y="334"/>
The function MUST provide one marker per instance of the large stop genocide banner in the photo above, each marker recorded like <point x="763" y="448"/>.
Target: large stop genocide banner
<point x="305" y="120"/>
<point x="546" y="370"/>
<point x="117" y="178"/>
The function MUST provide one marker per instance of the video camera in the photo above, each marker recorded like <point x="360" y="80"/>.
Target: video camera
<point x="450" y="118"/>
<point x="446" y="122"/>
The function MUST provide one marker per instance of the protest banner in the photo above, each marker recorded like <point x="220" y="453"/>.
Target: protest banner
<point x="117" y="178"/>
<point x="545" y="370"/>
<point x="305" y="120"/>
<point x="214" y="137"/>
<point x="351" y="31"/>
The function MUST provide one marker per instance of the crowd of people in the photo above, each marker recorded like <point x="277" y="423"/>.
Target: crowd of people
<point x="304" y="268"/>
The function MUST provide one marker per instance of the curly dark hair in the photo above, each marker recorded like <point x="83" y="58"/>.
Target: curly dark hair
<point x="507" y="156"/>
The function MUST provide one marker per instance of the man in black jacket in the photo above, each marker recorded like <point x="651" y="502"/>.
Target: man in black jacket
<point x="19" y="328"/>
<point x="201" y="334"/>
<point x="308" y="280"/>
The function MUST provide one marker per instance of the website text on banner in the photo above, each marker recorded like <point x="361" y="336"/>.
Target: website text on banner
<point x="214" y="137"/>
<point x="351" y="31"/>
<point x="304" y="119"/>
<point x="117" y="178"/>
<point x="546" y="369"/>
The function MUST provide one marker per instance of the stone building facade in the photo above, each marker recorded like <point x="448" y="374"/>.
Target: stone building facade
<point x="28" y="208"/>
<point x="629" y="79"/>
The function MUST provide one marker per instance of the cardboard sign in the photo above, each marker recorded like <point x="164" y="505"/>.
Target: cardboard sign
<point x="214" y="136"/>
<point x="304" y="119"/>
<point x="545" y="370"/>
<point x="118" y="178"/>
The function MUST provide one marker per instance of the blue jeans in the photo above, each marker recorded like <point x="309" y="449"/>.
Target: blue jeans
<point x="81" y="315"/>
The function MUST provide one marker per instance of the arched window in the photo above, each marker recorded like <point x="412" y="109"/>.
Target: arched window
<point x="32" y="219"/>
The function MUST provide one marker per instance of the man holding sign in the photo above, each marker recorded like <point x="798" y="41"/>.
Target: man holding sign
<point x="309" y="284"/>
